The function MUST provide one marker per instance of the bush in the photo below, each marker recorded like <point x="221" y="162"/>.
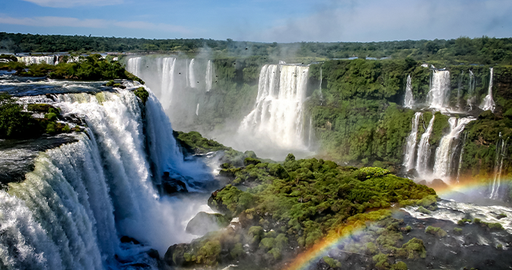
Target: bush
<point x="142" y="94"/>
<point x="436" y="231"/>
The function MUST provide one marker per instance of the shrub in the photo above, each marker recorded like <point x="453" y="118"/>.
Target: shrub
<point x="436" y="231"/>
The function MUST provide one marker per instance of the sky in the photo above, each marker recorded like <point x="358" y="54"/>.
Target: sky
<point x="261" y="20"/>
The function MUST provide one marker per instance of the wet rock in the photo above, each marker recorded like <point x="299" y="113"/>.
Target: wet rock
<point x="412" y="174"/>
<point x="437" y="184"/>
<point x="170" y="185"/>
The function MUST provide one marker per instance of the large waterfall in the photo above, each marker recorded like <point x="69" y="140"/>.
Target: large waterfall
<point x="439" y="90"/>
<point x="179" y="83"/>
<point x="488" y="102"/>
<point x="443" y="167"/>
<point x="81" y="197"/>
<point x="278" y="113"/>
<point x="424" y="149"/>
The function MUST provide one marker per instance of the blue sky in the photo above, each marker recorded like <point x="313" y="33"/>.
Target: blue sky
<point x="261" y="20"/>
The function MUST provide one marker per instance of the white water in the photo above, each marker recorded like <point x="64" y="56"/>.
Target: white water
<point x="81" y="197"/>
<point x="488" y="102"/>
<point x="501" y="152"/>
<point x="168" y="65"/>
<point x="29" y="60"/>
<point x="439" y="90"/>
<point x="209" y="76"/>
<point x="410" y="147"/>
<point x="408" y="100"/>
<point x="424" y="149"/>
<point x="277" y="115"/>
<point x="443" y="166"/>
<point x="133" y="66"/>
<point x="191" y="74"/>
<point x="320" y="85"/>
<point x="454" y="211"/>
<point x="461" y="155"/>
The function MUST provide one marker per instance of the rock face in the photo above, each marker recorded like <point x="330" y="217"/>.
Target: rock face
<point x="204" y="223"/>
<point x="170" y="185"/>
<point x="437" y="184"/>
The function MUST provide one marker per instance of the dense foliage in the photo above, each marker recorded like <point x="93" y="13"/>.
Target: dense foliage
<point x="14" y="123"/>
<point x="18" y="124"/>
<point x="478" y="50"/>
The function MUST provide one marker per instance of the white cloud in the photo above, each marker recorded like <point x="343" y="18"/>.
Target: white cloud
<point x="395" y="20"/>
<point x="91" y="23"/>
<point x="74" y="3"/>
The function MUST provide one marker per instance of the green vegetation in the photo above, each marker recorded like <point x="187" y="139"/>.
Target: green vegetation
<point x="436" y="231"/>
<point x="14" y="123"/>
<point x="142" y="94"/>
<point x="89" y="68"/>
<point x="18" y="124"/>
<point x="463" y="49"/>
<point x="194" y="143"/>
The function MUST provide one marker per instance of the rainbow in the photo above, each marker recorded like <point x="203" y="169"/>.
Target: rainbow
<point x="348" y="230"/>
<point x="357" y="224"/>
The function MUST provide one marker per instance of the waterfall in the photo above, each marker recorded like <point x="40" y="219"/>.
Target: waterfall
<point x="424" y="149"/>
<point x="166" y="89"/>
<point x="320" y="85"/>
<point x="133" y="66"/>
<point x="277" y="115"/>
<point x="29" y="60"/>
<point x="197" y="109"/>
<point x="408" y="100"/>
<point x="488" y="102"/>
<point x="209" y="75"/>
<point x="191" y="76"/>
<point x="81" y="197"/>
<point x="439" y="90"/>
<point x="443" y="165"/>
<point x="471" y="90"/>
<point x="461" y="155"/>
<point x="501" y="153"/>
<point x="410" y="147"/>
<point x="310" y="132"/>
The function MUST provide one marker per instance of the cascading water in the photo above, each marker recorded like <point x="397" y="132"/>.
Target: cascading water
<point x="191" y="74"/>
<point x="410" y="147"/>
<point x="461" y="155"/>
<point x="488" y="102"/>
<point x="471" y="90"/>
<point x="501" y="153"/>
<point x="209" y="76"/>
<point x="424" y="149"/>
<point x="178" y="83"/>
<point x="134" y="66"/>
<point x="29" y="60"/>
<point x="439" y="90"/>
<point x="277" y="115"/>
<point x="443" y="166"/>
<point x="310" y="132"/>
<point x="408" y="100"/>
<point x="166" y="90"/>
<point x="320" y="85"/>
<point x="81" y="197"/>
